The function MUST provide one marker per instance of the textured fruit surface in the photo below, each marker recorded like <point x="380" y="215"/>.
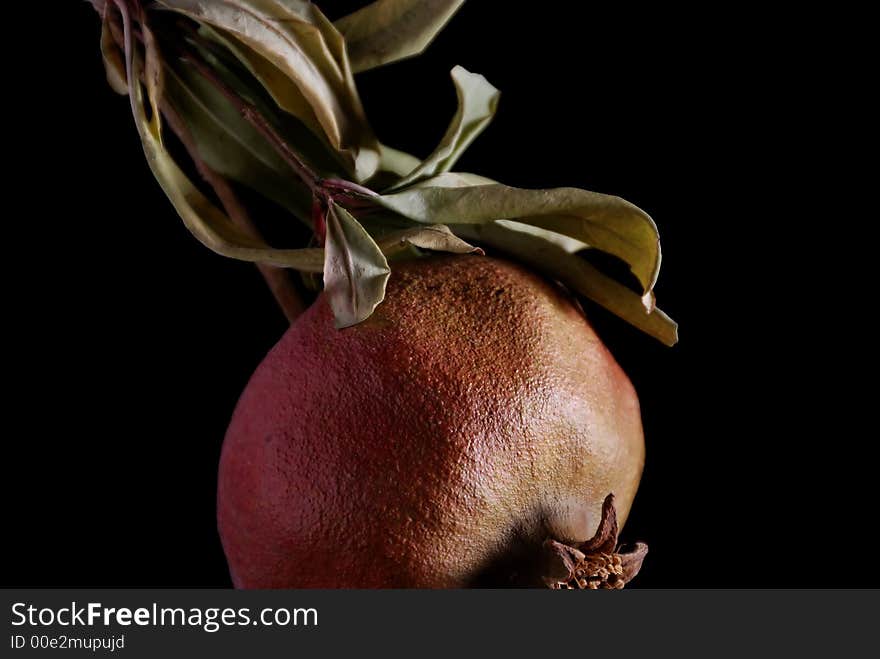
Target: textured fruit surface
<point x="437" y="444"/>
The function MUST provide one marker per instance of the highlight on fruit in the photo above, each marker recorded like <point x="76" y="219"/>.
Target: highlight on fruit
<point x="440" y="413"/>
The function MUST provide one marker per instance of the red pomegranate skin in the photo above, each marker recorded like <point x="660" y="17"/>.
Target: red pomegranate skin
<point x="475" y="410"/>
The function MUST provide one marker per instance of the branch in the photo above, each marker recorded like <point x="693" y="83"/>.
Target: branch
<point x="278" y="280"/>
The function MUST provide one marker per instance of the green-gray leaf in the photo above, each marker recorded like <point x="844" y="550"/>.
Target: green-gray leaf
<point x="300" y="57"/>
<point x="436" y="238"/>
<point x="230" y="145"/>
<point x="477" y="103"/>
<point x="227" y="59"/>
<point x="208" y="224"/>
<point x="390" y="30"/>
<point x="355" y="270"/>
<point x="395" y="161"/>
<point x="604" y="222"/>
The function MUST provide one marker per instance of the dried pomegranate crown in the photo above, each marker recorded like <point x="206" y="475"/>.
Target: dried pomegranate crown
<point x="597" y="563"/>
<point x="262" y="93"/>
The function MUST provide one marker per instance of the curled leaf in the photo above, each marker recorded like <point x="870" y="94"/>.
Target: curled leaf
<point x="300" y="57"/>
<point x="355" y="270"/>
<point x="604" y="222"/>
<point x="230" y="145"/>
<point x="386" y="31"/>
<point x="285" y="94"/>
<point x="437" y="238"/>
<point x="239" y="68"/>
<point x="477" y="103"/>
<point x="208" y="224"/>
<point x="114" y="66"/>
<point x="396" y="162"/>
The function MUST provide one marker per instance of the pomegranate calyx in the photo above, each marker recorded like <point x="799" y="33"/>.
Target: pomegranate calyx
<point x="598" y="563"/>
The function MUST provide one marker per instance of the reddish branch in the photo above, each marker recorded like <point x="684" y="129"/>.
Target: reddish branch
<point x="277" y="279"/>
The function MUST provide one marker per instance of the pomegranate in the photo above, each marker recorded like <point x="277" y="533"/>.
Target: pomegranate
<point x="439" y="443"/>
<point x="429" y="421"/>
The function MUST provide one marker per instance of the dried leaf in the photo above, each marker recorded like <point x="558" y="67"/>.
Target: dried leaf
<point x="456" y="180"/>
<point x="209" y="225"/>
<point x="276" y="83"/>
<point x="153" y="76"/>
<point x="355" y="270"/>
<point x="114" y="65"/>
<point x="477" y="103"/>
<point x="299" y="55"/>
<point x="437" y="238"/>
<point x="224" y="57"/>
<point x="396" y="162"/>
<point x="390" y="30"/>
<point x="570" y="245"/>
<point x="230" y="145"/>
<point x="291" y="48"/>
<point x="393" y="165"/>
<point x="604" y="222"/>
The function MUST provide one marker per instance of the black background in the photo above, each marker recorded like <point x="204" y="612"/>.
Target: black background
<point x="129" y="342"/>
